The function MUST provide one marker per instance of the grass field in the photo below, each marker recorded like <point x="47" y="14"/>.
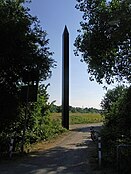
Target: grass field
<point x="80" y="118"/>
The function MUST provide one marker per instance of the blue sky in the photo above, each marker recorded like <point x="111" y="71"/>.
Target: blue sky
<point x="53" y="16"/>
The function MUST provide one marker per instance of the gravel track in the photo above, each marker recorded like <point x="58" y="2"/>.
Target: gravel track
<point x="67" y="155"/>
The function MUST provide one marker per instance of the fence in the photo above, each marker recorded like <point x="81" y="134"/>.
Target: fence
<point x="124" y="159"/>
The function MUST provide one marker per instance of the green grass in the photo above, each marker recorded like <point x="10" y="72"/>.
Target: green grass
<point x="80" y="118"/>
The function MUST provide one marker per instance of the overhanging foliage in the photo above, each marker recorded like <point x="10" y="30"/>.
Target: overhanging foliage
<point x="105" y="39"/>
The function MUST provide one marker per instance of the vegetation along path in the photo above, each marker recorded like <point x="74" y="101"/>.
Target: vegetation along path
<point x="67" y="155"/>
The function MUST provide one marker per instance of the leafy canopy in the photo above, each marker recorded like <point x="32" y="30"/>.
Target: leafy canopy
<point x="24" y="48"/>
<point x="23" y="44"/>
<point x="116" y="106"/>
<point x="105" y="39"/>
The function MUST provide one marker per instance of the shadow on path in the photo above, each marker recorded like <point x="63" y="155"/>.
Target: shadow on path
<point x="56" y="160"/>
<point x="70" y="158"/>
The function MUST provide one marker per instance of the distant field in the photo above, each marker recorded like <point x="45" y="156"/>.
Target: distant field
<point x="80" y="118"/>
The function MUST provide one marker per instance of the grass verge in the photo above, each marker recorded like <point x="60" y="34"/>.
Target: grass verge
<point x="80" y="118"/>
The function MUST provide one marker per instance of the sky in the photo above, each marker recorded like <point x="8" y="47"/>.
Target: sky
<point x="53" y="16"/>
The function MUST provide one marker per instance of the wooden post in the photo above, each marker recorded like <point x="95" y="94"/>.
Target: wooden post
<point x="65" y="79"/>
<point x="25" y="120"/>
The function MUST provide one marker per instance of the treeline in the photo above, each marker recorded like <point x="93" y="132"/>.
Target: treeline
<point x="104" y="41"/>
<point x="25" y="61"/>
<point x="58" y="109"/>
<point x="116" y="132"/>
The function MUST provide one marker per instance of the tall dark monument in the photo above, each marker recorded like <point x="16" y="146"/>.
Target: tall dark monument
<point x="65" y="79"/>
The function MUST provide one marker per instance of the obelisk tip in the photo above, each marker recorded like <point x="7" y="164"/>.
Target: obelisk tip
<point x="65" y="29"/>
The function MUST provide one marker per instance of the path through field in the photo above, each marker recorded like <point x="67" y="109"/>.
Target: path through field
<point x="68" y="155"/>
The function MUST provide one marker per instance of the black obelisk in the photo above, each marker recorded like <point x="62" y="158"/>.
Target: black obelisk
<point x="65" y="79"/>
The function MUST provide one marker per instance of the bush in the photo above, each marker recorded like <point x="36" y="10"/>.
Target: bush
<point x="117" y="126"/>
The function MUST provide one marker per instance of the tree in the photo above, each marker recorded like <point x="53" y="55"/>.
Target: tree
<point x="116" y="107"/>
<point x="105" y="39"/>
<point x="24" y="50"/>
<point x="25" y="58"/>
<point x="110" y="104"/>
<point x="117" y="126"/>
<point x="111" y="97"/>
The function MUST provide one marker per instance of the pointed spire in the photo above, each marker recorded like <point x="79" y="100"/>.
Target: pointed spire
<point x="65" y="29"/>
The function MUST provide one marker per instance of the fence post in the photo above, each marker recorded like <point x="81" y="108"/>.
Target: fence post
<point x="11" y="147"/>
<point x="99" y="151"/>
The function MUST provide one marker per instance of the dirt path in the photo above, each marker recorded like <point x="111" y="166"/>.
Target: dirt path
<point x="67" y="155"/>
